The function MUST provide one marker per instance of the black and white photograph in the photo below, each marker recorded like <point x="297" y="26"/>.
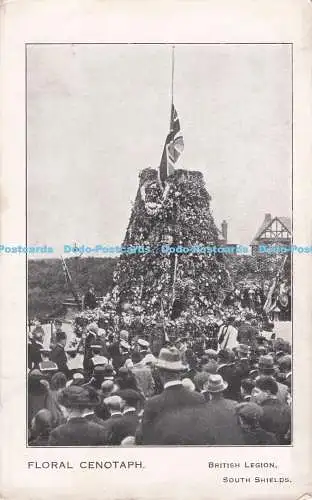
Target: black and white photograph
<point x="159" y="244"/>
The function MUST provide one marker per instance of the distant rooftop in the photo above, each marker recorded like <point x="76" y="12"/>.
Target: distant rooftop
<point x="268" y="221"/>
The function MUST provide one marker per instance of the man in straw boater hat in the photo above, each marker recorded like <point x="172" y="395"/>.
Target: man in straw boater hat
<point x="173" y="398"/>
<point x="221" y="412"/>
<point x="80" y="428"/>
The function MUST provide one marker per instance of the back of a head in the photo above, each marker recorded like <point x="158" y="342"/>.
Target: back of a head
<point x="113" y="403"/>
<point x="107" y="386"/>
<point x="284" y="363"/>
<point x="126" y="379"/>
<point x="79" y="397"/>
<point x="200" y="379"/>
<point x="168" y="376"/>
<point x="247" y="384"/>
<point x="42" y="422"/>
<point x="250" y="413"/>
<point x="34" y="380"/>
<point x="123" y="372"/>
<point x="211" y="354"/>
<point x="188" y="384"/>
<point x="211" y="367"/>
<point x="58" y="381"/>
<point x="267" y="383"/>
<point x="131" y="397"/>
<point x="128" y="441"/>
<point x="282" y="345"/>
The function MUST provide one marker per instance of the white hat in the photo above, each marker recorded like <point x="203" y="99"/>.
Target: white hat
<point x="188" y="384"/>
<point x="149" y="359"/>
<point x="124" y="345"/>
<point x="143" y="343"/>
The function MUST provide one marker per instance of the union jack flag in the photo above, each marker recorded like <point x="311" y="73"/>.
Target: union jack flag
<point x="174" y="146"/>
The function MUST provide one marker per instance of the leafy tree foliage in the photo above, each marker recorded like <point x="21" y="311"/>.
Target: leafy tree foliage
<point x="47" y="286"/>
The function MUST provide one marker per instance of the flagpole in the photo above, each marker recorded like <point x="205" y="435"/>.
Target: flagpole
<point x="175" y="256"/>
<point x="172" y="81"/>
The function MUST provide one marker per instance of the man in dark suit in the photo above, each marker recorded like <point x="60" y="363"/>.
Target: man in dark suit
<point x="112" y="424"/>
<point x="132" y="402"/>
<point x="80" y="429"/>
<point x="173" y="398"/>
<point x="221" y="418"/>
<point x="89" y="300"/>
<point x="214" y="423"/>
<point x="58" y="354"/>
<point x="118" y="349"/>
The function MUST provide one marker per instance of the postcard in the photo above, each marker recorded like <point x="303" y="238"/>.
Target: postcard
<point x="156" y="250"/>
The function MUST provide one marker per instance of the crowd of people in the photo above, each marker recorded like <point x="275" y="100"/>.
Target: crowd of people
<point x="117" y="392"/>
<point x="175" y="354"/>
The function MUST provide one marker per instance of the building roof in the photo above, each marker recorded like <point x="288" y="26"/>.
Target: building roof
<point x="285" y="221"/>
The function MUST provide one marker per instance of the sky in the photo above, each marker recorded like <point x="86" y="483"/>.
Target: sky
<point x="98" y="114"/>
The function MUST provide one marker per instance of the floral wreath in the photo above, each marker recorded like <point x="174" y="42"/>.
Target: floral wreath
<point x="153" y="208"/>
